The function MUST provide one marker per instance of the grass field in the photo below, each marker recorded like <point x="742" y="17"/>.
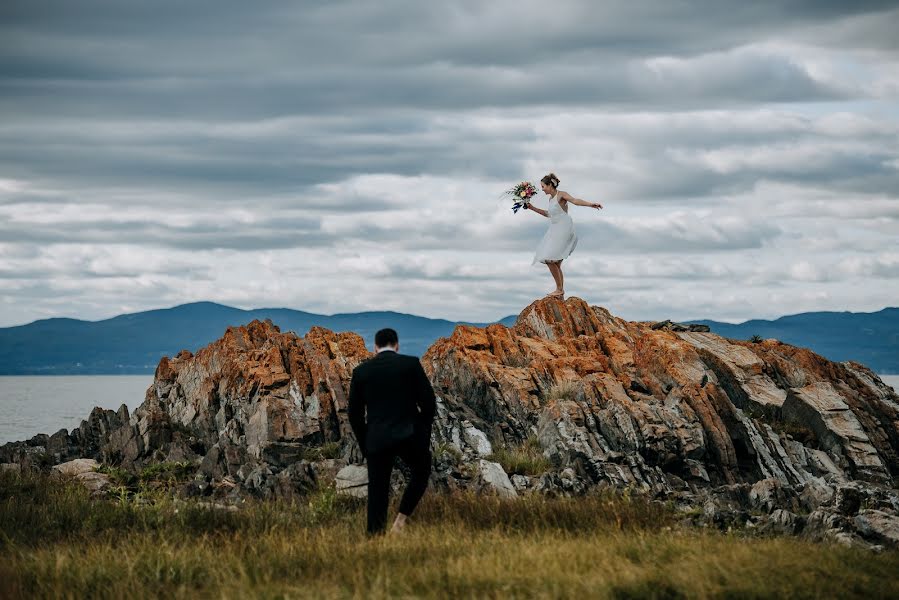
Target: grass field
<point x="55" y="542"/>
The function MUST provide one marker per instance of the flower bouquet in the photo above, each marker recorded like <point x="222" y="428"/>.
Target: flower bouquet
<point x="522" y="193"/>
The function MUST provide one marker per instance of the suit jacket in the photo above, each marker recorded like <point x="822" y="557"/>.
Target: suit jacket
<point x="391" y="399"/>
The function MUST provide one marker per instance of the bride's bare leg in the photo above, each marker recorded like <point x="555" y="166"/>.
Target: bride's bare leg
<point x="557" y="275"/>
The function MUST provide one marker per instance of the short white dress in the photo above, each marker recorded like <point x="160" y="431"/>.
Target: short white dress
<point x="560" y="239"/>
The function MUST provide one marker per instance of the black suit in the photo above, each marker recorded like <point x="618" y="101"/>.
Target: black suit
<point x="391" y="410"/>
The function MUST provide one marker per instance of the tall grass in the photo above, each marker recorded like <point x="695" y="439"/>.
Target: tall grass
<point x="57" y="542"/>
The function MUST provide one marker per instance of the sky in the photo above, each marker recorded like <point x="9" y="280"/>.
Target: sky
<point x="346" y="156"/>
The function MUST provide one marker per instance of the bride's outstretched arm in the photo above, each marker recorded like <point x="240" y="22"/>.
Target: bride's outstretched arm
<point x="539" y="211"/>
<point x="579" y="202"/>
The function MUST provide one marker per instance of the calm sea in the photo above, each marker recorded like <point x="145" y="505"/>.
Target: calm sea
<point x="32" y="404"/>
<point x="35" y="404"/>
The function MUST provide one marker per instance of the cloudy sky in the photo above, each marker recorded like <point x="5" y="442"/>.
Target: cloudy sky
<point x="344" y="156"/>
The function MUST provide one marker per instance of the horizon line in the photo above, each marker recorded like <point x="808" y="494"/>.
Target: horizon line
<point x="420" y="316"/>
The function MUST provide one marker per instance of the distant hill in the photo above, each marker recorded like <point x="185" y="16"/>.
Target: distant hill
<point x="869" y="338"/>
<point x="134" y="343"/>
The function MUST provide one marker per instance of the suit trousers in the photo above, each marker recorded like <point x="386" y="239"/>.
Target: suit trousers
<point x="416" y="453"/>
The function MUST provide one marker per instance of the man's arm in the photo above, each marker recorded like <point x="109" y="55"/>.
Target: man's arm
<point x="427" y="402"/>
<point x="356" y="410"/>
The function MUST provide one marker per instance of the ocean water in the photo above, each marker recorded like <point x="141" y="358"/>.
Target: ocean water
<point x="33" y="404"/>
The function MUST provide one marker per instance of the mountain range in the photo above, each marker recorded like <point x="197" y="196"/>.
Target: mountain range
<point x="134" y="343"/>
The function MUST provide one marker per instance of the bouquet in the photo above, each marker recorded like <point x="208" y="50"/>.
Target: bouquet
<point x="522" y="193"/>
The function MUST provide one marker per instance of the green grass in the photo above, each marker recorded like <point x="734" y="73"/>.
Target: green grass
<point x="448" y="451"/>
<point x="55" y="542"/>
<point x="526" y="459"/>
<point x="325" y="450"/>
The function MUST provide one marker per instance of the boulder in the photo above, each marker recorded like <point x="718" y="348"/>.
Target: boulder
<point x="879" y="526"/>
<point x="352" y="480"/>
<point x="75" y="467"/>
<point x="494" y="479"/>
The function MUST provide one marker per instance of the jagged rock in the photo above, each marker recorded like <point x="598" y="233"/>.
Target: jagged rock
<point x="819" y="406"/>
<point x="290" y="483"/>
<point x="256" y="396"/>
<point x="476" y="439"/>
<point x="781" y="522"/>
<point x="878" y="525"/>
<point x="669" y="325"/>
<point x="681" y="413"/>
<point x="815" y="493"/>
<point x="653" y="406"/>
<point x="848" y="499"/>
<point x="770" y="494"/>
<point x="521" y="482"/>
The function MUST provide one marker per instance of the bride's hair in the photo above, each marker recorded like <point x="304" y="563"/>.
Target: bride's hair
<point x="552" y="180"/>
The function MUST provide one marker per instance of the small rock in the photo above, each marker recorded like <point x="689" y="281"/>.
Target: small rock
<point x="94" y="481"/>
<point x="521" y="482"/>
<point x="477" y="439"/>
<point x="765" y="494"/>
<point x="570" y="481"/>
<point x="848" y="499"/>
<point x="75" y="467"/>
<point x="493" y="475"/>
<point x="353" y="481"/>
<point x="781" y="522"/>
<point x="816" y="493"/>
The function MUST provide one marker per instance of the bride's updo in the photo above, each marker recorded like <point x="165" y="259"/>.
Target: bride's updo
<point x="552" y="180"/>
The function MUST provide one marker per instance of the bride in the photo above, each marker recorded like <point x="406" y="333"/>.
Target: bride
<point x="560" y="238"/>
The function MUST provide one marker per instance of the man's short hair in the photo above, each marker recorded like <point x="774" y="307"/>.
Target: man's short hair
<point x="386" y="337"/>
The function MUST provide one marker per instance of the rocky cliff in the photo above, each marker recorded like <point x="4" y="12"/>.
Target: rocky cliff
<point x="760" y="434"/>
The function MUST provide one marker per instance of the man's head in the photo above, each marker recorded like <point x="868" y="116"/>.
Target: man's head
<point x="386" y="338"/>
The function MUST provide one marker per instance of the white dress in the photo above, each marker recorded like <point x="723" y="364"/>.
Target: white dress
<point x="560" y="239"/>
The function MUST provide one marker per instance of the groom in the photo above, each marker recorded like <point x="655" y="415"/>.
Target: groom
<point x="391" y="409"/>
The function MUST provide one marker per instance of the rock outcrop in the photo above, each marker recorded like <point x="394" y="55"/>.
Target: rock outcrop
<point x="248" y="410"/>
<point x="683" y="414"/>
<point x="761" y="434"/>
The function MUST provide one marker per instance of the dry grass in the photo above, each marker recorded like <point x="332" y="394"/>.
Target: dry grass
<point x="564" y="390"/>
<point x="526" y="459"/>
<point x="57" y="543"/>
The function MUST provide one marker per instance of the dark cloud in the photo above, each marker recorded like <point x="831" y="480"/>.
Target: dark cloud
<point x="318" y="146"/>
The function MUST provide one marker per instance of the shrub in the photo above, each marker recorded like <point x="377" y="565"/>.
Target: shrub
<point x="449" y="452"/>
<point x="326" y="450"/>
<point x="518" y="360"/>
<point x="564" y="390"/>
<point x="169" y="472"/>
<point x="524" y="459"/>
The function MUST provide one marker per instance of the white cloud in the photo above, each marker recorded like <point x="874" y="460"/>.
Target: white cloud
<point x="336" y="159"/>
